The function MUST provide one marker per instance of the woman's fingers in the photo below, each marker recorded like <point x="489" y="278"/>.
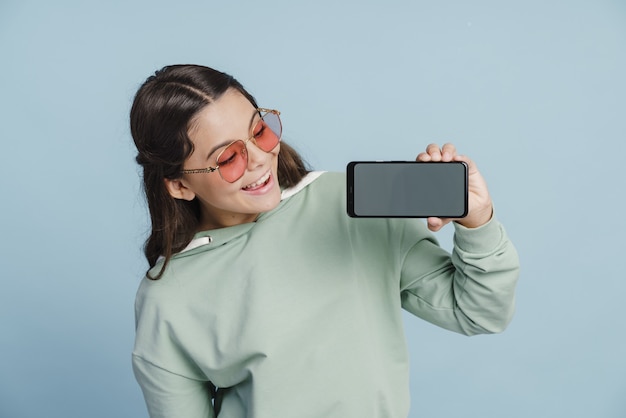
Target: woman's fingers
<point x="435" y="153"/>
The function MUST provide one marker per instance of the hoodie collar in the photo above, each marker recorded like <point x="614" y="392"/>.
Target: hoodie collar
<point x="218" y="237"/>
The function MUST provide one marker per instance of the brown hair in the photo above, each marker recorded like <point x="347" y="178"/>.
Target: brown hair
<point x="160" y="117"/>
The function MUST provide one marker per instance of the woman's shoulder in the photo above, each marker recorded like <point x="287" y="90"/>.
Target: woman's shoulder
<point x="316" y="188"/>
<point x="314" y="180"/>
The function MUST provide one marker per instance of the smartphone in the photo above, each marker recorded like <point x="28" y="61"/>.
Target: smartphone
<point x="407" y="189"/>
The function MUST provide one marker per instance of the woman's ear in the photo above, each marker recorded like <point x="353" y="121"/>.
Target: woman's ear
<point x="178" y="189"/>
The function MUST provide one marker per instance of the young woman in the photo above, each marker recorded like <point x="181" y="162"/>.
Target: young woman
<point x="261" y="285"/>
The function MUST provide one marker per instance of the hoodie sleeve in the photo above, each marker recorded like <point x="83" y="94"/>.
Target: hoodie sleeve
<point x="169" y="395"/>
<point x="172" y="384"/>
<point x="471" y="291"/>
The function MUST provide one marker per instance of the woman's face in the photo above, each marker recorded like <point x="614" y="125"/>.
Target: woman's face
<point x="229" y="118"/>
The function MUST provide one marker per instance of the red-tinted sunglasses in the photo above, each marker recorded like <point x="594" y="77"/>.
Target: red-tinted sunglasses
<point x="233" y="160"/>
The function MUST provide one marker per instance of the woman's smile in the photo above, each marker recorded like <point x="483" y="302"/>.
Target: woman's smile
<point x="259" y="185"/>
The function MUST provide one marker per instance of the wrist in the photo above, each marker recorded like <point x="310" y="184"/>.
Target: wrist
<point x="477" y="218"/>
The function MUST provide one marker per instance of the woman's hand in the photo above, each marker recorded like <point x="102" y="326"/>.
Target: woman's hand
<point x="480" y="207"/>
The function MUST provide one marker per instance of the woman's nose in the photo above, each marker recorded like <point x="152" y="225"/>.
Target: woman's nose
<point x="256" y="156"/>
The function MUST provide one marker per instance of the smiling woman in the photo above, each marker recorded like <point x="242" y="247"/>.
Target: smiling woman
<point x="182" y="116"/>
<point x="236" y="195"/>
<point x="263" y="297"/>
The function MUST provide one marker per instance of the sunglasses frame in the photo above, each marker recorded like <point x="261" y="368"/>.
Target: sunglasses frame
<point x="245" y="143"/>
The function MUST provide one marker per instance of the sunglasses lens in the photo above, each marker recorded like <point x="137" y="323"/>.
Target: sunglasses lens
<point x="232" y="161"/>
<point x="267" y="132"/>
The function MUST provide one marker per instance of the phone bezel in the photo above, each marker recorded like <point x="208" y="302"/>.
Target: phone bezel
<point x="350" y="189"/>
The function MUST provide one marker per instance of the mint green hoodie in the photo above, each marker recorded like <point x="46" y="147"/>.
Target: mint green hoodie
<point x="298" y="314"/>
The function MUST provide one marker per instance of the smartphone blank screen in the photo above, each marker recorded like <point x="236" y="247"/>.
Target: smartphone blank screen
<point x="407" y="189"/>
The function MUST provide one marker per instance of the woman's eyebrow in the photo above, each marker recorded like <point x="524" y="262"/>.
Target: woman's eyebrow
<point x="224" y="143"/>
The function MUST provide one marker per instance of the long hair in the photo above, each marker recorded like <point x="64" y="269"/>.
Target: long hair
<point x="160" y="118"/>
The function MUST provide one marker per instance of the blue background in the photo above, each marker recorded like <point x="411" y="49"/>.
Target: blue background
<point x="534" y="91"/>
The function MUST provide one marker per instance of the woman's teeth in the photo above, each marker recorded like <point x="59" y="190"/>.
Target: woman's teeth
<point x="259" y="182"/>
